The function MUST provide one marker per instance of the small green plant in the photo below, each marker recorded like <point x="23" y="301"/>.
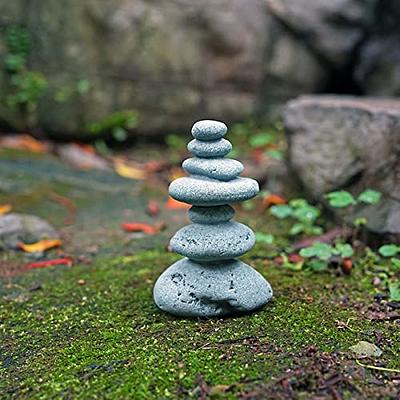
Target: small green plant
<point x="26" y="87"/>
<point x="302" y="213"/>
<point x="265" y="238"/>
<point x="389" y="250"/>
<point x="117" y="124"/>
<point x="344" y="199"/>
<point x="319" y="254"/>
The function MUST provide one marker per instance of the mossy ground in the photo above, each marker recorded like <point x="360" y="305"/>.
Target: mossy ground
<point x="93" y="331"/>
<point x="104" y="337"/>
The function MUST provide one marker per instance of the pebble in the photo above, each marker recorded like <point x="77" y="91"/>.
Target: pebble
<point x="208" y="129"/>
<point x="211" y="215"/>
<point x="221" y="241"/>
<point x="202" y="191"/>
<point x="191" y="289"/>
<point x="224" y="169"/>
<point x="212" y="148"/>
<point x="211" y="282"/>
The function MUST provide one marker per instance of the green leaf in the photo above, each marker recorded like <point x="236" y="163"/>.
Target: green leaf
<point x="265" y="238"/>
<point x="275" y="154"/>
<point x="395" y="263"/>
<point x="261" y="139"/>
<point x="317" y="265"/>
<point x="296" y="203"/>
<point x="344" y="250"/>
<point x="394" y="291"/>
<point x="281" y="211"/>
<point x="340" y="199"/>
<point x="388" y="250"/>
<point x="320" y="250"/>
<point x="297" y="228"/>
<point x="369" y="196"/>
<point x="306" y="213"/>
<point x="360" y="221"/>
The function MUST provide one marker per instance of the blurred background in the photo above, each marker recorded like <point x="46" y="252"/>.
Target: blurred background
<point x="97" y="99"/>
<point x="90" y="69"/>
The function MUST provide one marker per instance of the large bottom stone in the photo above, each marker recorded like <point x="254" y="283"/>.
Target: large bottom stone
<point x="191" y="289"/>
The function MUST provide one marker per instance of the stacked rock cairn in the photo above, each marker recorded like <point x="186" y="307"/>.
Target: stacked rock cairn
<point x="210" y="281"/>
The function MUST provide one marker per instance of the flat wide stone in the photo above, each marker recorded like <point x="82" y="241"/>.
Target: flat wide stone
<point x="208" y="129"/>
<point x="223" y="169"/>
<point x="202" y="191"/>
<point x="212" y="148"/>
<point x="221" y="241"/>
<point x="211" y="215"/>
<point x="191" y="289"/>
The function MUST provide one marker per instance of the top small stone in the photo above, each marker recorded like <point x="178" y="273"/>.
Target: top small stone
<point x="208" y="129"/>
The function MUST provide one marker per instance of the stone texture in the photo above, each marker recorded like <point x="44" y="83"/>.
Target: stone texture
<point x="188" y="288"/>
<point x="212" y="148"/>
<point x="377" y="68"/>
<point x="209" y="130"/>
<point x="224" y="169"/>
<point x="211" y="192"/>
<point x="353" y="143"/>
<point x="15" y="228"/>
<point x="191" y="289"/>
<point x="223" y="241"/>
<point x="211" y="215"/>
<point x="172" y="61"/>
<point x="332" y="29"/>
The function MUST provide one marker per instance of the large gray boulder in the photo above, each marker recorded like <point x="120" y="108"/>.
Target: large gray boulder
<point x="172" y="61"/>
<point x="377" y="70"/>
<point x="347" y="142"/>
<point x="333" y="29"/>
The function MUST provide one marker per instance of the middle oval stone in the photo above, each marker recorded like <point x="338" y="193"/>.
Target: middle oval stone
<point x="221" y="241"/>
<point x="223" y="169"/>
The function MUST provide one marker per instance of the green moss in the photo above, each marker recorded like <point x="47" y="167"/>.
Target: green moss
<point x="106" y="339"/>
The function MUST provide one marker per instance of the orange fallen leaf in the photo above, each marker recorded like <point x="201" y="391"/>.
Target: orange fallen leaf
<point x="173" y="204"/>
<point x="5" y="208"/>
<point x="87" y="148"/>
<point x="139" y="227"/>
<point x="153" y="208"/>
<point x="24" y="142"/>
<point x="128" y="171"/>
<point x="39" y="246"/>
<point x="47" y="263"/>
<point x="273" y="199"/>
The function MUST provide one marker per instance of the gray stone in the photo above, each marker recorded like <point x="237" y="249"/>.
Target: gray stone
<point x="332" y="29"/>
<point x="211" y="148"/>
<point x="211" y="282"/>
<point x="191" y="289"/>
<point x="340" y="142"/>
<point x="208" y="129"/>
<point x="211" y="215"/>
<point x="214" y="242"/>
<point x="202" y="191"/>
<point x="378" y="68"/>
<point x="224" y="169"/>
<point x="15" y="228"/>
